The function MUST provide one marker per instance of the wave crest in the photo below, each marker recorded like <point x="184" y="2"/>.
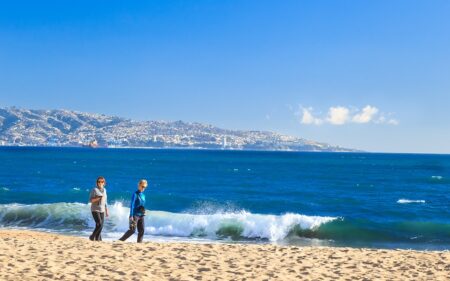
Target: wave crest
<point x="236" y="225"/>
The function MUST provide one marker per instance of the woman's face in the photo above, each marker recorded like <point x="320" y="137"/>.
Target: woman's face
<point x="101" y="183"/>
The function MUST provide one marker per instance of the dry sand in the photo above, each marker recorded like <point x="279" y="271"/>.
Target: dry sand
<point x="27" y="255"/>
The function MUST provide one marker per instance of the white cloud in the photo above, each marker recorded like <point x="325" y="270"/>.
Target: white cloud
<point x="341" y="115"/>
<point x="393" y="122"/>
<point x="308" y="118"/>
<point x="338" y="115"/>
<point x="366" y="115"/>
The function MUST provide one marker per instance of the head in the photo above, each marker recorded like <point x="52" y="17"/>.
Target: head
<point x="101" y="182"/>
<point x="142" y="185"/>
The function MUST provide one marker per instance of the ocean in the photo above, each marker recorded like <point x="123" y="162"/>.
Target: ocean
<point x="290" y="198"/>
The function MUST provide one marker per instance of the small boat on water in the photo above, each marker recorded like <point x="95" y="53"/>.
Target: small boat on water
<point x="92" y="144"/>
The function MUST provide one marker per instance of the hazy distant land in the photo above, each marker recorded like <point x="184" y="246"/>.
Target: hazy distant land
<point x="25" y="127"/>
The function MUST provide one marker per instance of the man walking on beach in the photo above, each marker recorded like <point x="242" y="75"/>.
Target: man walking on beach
<point x="99" y="208"/>
<point x="137" y="213"/>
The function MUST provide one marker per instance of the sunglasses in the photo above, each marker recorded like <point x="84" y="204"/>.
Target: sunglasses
<point x="100" y="181"/>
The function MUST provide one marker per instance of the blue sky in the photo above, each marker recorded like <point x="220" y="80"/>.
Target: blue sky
<point x="372" y="75"/>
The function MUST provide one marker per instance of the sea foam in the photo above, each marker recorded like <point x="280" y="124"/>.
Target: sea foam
<point x="408" y="201"/>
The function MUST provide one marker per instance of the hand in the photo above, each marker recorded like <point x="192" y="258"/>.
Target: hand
<point x="131" y="219"/>
<point x="96" y="199"/>
<point x="107" y="213"/>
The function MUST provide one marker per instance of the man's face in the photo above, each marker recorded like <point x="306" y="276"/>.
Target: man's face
<point x="143" y="187"/>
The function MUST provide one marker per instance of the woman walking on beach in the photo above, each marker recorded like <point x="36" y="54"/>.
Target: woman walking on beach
<point x="137" y="213"/>
<point x="99" y="208"/>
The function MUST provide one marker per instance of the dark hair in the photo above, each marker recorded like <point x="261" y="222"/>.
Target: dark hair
<point x="101" y="178"/>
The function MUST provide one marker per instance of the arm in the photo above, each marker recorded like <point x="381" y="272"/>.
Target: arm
<point x="106" y="206"/>
<point x="96" y="199"/>
<point x="133" y="198"/>
<point x="95" y="196"/>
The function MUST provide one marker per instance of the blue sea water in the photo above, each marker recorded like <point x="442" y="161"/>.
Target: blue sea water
<point x="336" y="199"/>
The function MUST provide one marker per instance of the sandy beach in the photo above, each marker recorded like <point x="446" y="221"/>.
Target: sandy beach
<point x="29" y="255"/>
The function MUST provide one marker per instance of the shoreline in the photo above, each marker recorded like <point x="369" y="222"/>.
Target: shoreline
<point x="36" y="255"/>
<point x="187" y="148"/>
<point x="306" y="243"/>
<point x="355" y="151"/>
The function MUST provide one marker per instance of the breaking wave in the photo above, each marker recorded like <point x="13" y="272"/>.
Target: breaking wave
<point x="75" y="218"/>
<point x="235" y="225"/>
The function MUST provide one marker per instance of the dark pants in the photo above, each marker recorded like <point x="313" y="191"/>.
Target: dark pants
<point x="99" y="219"/>
<point x="140" y="224"/>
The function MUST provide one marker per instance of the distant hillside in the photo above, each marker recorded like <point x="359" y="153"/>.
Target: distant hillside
<point x="70" y="128"/>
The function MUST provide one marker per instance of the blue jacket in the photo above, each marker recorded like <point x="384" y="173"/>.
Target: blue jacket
<point x="137" y="200"/>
